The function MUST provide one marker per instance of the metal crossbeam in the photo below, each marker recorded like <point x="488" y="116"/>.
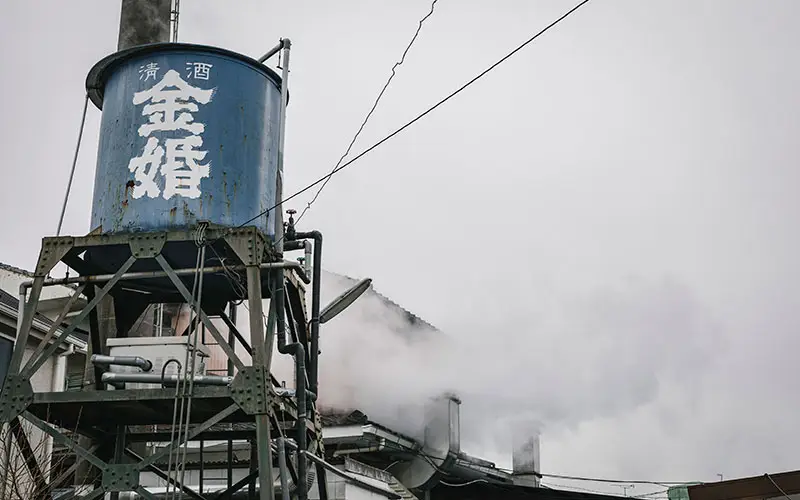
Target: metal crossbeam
<point x="187" y="296"/>
<point x="32" y="367"/>
<point x="56" y="325"/>
<point x="64" y="440"/>
<point x="196" y="432"/>
<point x="163" y="475"/>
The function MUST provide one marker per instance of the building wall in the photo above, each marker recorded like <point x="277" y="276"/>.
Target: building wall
<point x="11" y="280"/>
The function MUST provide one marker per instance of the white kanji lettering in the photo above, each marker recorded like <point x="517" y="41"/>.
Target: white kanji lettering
<point x="145" y="168"/>
<point x="147" y="71"/>
<point x="199" y="70"/>
<point x="170" y="97"/>
<point x="181" y="170"/>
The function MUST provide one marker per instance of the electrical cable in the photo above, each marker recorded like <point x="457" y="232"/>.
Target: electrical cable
<point x="776" y="485"/>
<point x="420" y="116"/>
<point x="459" y="485"/>
<point x="200" y="241"/>
<point x="429" y="458"/>
<point x="372" y="110"/>
<point x="74" y="164"/>
<point x="174" y="417"/>
<point x="618" y="481"/>
<point x="575" y="488"/>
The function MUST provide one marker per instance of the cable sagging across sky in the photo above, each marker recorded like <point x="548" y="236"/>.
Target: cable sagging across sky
<point x="421" y="115"/>
<point x="372" y="110"/>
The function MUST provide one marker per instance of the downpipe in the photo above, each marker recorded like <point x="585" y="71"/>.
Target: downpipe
<point x="316" y="278"/>
<point x="315" y="304"/>
<point x="295" y="349"/>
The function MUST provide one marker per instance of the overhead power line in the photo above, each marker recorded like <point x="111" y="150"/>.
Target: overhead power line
<point x="423" y="114"/>
<point x="618" y="481"/>
<point x="372" y="110"/>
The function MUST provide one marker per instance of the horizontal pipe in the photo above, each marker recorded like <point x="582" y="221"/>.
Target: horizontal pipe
<point x="154" y="378"/>
<point x="102" y="278"/>
<point x="293" y="245"/>
<point x="271" y="52"/>
<point x="145" y="364"/>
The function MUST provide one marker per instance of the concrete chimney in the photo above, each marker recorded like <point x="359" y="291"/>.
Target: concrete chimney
<point x="143" y="22"/>
<point x="525" y="456"/>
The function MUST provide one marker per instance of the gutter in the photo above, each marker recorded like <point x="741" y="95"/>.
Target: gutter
<point x="43" y="327"/>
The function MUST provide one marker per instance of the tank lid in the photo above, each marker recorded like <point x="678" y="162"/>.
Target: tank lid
<point x="100" y="72"/>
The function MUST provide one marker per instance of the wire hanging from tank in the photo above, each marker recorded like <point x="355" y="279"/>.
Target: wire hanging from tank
<point x="182" y="409"/>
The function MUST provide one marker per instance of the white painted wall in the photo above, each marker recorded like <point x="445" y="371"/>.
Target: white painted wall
<point x="10" y="282"/>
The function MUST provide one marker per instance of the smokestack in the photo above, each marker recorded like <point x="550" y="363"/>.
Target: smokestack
<point x="525" y="455"/>
<point x="143" y="22"/>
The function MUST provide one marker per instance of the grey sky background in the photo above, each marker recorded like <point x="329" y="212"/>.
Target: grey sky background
<point x="607" y="222"/>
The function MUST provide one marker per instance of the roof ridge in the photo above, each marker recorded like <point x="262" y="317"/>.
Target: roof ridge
<point x="390" y="302"/>
<point x="17" y="270"/>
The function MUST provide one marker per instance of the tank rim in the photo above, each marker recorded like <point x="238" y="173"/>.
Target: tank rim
<point x="102" y="70"/>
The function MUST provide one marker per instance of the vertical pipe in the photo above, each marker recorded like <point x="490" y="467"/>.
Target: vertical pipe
<point x="202" y="469"/>
<point x="284" y="470"/>
<point x="313" y="370"/>
<point x="287" y="46"/>
<point x="308" y="262"/>
<point x="300" y="388"/>
<point x="24" y="323"/>
<point x="261" y="358"/>
<point x="251" y="487"/>
<point x="232" y="342"/>
<point x="56" y="385"/>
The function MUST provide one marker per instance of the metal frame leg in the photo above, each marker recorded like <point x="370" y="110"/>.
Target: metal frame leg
<point x="261" y="358"/>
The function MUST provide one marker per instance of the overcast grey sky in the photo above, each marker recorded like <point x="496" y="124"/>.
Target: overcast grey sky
<point x="607" y="221"/>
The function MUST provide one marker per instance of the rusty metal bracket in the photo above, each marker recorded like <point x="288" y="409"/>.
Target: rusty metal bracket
<point x="147" y="245"/>
<point x="120" y="477"/>
<point x="249" y="390"/>
<point x="16" y="397"/>
<point x="249" y="245"/>
<point x="53" y="250"/>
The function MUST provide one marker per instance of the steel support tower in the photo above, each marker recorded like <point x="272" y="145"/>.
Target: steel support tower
<point x="161" y="268"/>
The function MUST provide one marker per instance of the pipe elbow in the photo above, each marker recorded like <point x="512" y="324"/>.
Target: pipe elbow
<point x="314" y="235"/>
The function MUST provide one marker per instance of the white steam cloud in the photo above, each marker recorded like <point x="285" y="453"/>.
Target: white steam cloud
<point x="599" y="354"/>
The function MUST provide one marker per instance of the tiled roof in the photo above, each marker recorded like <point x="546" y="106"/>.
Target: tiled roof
<point x="16" y="270"/>
<point x="412" y="318"/>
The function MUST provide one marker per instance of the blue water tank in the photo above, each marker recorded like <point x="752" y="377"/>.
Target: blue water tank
<point x="188" y="133"/>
